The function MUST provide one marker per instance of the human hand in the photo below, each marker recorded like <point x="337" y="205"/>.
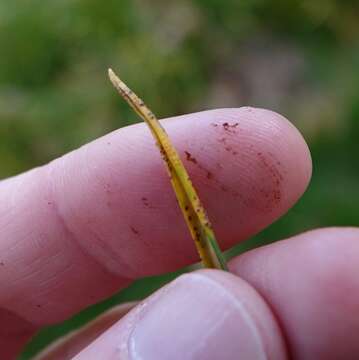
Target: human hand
<point x="75" y="231"/>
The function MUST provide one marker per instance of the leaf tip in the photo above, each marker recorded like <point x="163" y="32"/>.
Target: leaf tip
<point x="113" y="77"/>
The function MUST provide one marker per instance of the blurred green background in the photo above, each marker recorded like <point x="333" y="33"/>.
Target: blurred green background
<point x="299" y="58"/>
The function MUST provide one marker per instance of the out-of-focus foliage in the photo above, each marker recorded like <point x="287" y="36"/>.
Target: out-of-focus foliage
<point x="299" y="58"/>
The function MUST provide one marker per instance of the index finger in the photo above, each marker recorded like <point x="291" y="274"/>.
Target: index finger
<point x="82" y="227"/>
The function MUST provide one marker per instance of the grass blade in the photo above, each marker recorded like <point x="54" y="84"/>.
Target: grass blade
<point x="192" y="209"/>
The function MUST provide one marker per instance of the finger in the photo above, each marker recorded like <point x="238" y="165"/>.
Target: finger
<point x="311" y="283"/>
<point x="71" y="344"/>
<point x="82" y="227"/>
<point x="208" y="314"/>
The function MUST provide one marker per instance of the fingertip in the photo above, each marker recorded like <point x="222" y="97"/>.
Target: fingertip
<point x="289" y="143"/>
<point x="202" y="315"/>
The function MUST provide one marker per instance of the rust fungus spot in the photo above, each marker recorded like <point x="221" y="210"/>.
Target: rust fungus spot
<point x="274" y="174"/>
<point x="186" y="207"/>
<point x="276" y="195"/>
<point x="228" y="127"/>
<point x="272" y="168"/>
<point x="1" y="263"/>
<point x="189" y="157"/>
<point x="145" y="201"/>
<point x="135" y="231"/>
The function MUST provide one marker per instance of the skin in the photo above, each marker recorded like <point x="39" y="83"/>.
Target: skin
<point x="84" y="226"/>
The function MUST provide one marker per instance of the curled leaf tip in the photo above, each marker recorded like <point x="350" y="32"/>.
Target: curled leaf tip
<point x="192" y="209"/>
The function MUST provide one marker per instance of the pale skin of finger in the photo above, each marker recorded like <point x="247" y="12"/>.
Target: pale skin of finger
<point x="77" y="230"/>
<point x="229" y="316"/>
<point x="71" y="344"/>
<point x="310" y="289"/>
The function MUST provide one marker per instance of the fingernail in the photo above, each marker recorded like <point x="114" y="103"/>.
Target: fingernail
<point x="195" y="318"/>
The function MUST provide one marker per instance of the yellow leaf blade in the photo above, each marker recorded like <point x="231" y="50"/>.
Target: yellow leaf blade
<point x="192" y="209"/>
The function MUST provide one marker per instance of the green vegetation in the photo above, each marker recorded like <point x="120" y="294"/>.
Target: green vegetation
<point x="299" y="58"/>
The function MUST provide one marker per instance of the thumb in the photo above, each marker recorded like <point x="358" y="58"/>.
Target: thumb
<point x="207" y="314"/>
